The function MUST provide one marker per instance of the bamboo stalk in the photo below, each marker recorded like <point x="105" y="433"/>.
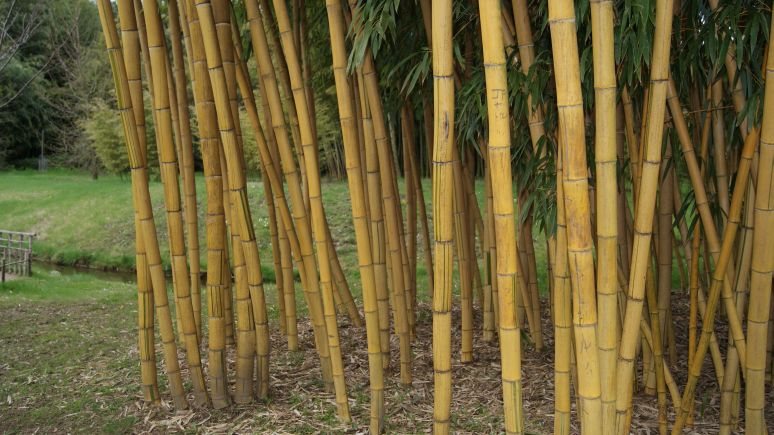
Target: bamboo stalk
<point x="708" y="223"/>
<point x="393" y="220"/>
<point x="359" y="212"/>
<point x="718" y="276"/>
<point x="562" y="305"/>
<point x="605" y="141"/>
<point x="443" y="144"/>
<point x="762" y="264"/>
<point x="305" y="252"/>
<point x="505" y="227"/>
<point x="168" y="162"/>
<point x="142" y="201"/>
<point x="376" y="215"/>
<point x="646" y="198"/>
<point x="320" y="233"/>
<point x="145" y="330"/>
<point x="577" y="208"/>
<point x="187" y="161"/>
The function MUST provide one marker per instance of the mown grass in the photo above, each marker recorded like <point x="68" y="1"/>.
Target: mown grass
<point x="85" y="222"/>
<point x="69" y="355"/>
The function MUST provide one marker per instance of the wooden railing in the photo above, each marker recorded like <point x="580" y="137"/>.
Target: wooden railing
<point x="15" y="253"/>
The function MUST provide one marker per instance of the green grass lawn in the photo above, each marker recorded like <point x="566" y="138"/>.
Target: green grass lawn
<point x="85" y="222"/>
<point x="69" y="354"/>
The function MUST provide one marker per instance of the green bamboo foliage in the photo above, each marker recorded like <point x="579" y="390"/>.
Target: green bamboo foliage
<point x="505" y="228"/>
<point x="142" y="202"/>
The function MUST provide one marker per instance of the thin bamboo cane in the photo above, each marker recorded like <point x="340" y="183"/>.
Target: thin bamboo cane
<point x="656" y="348"/>
<point x="693" y="307"/>
<point x="288" y="240"/>
<point x="719" y="148"/>
<point x="576" y="199"/>
<point x="275" y="48"/>
<point x="718" y="278"/>
<point x="505" y="226"/>
<point x="708" y="223"/>
<point x="762" y="264"/>
<point x="664" y="246"/>
<point x="463" y="261"/>
<point x="646" y="198"/>
<point x="393" y="231"/>
<point x="187" y="161"/>
<point x="221" y="15"/>
<point x="168" y="163"/>
<point x="142" y="195"/>
<point x="562" y="313"/>
<point x="411" y="199"/>
<point x="305" y="252"/>
<point x="320" y="233"/>
<point x="420" y="196"/>
<point x="488" y="323"/>
<point x="359" y="215"/>
<point x="255" y="298"/>
<point x="145" y="330"/>
<point x="378" y="242"/>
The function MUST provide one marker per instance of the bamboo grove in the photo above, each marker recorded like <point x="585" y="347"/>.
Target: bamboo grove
<point x="633" y="142"/>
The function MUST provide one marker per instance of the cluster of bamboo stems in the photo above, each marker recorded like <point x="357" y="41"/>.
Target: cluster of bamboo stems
<point x="610" y="258"/>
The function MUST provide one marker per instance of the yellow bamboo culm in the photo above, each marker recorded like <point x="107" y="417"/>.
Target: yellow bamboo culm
<point x="187" y="164"/>
<point x="504" y="222"/>
<point x="762" y="264"/>
<point x="320" y="233"/>
<point x="562" y="314"/>
<point x="304" y="252"/>
<point x="602" y="27"/>
<point x="142" y="201"/>
<point x="145" y="319"/>
<point x="571" y="130"/>
<point x="172" y="201"/>
<point x="646" y="200"/>
<point x="216" y="225"/>
<point x="443" y="142"/>
<point x="359" y="211"/>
